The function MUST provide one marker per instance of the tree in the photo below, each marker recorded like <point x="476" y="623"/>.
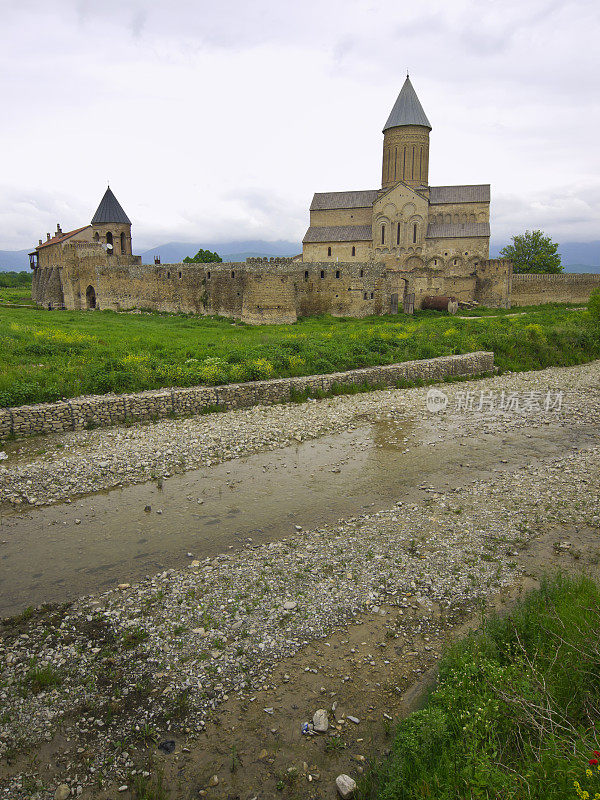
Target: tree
<point x="203" y="257"/>
<point x="533" y="252"/>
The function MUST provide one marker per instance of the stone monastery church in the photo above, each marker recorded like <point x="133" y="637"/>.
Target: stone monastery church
<point x="374" y="251"/>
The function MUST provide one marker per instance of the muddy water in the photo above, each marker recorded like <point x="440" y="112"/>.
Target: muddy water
<point x="57" y="553"/>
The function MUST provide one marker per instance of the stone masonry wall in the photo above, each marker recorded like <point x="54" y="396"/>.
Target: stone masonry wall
<point x="533" y="290"/>
<point x="105" y="410"/>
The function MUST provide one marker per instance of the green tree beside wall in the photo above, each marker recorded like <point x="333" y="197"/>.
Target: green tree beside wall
<point x="532" y="252"/>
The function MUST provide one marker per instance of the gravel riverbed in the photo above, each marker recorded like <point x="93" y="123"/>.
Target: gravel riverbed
<point x="91" y="679"/>
<point x="67" y="465"/>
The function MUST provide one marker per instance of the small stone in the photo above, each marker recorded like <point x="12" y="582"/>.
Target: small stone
<point x="77" y="522"/>
<point x="214" y="781"/>
<point x="123" y="788"/>
<point x="63" y="792"/>
<point x="355" y="720"/>
<point x="290" y="605"/>
<point x="124" y="586"/>
<point x="321" y="721"/>
<point x="263" y="754"/>
<point x="147" y="509"/>
<point x="346" y="786"/>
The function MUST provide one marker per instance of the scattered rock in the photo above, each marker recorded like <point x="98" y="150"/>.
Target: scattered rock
<point x="346" y="786"/>
<point x="321" y="721"/>
<point x="63" y="792"/>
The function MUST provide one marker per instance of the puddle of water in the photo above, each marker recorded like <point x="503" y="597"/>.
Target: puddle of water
<point x="45" y="556"/>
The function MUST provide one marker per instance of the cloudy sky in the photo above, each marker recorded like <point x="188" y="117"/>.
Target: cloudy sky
<point x="218" y="121"/>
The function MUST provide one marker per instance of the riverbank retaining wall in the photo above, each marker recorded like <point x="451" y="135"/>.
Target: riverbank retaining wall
<point x="105" y="410"/>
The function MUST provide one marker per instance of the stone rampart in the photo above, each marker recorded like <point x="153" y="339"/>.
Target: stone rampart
<point x="105" y="410"/>
<point x="534" y="290"/>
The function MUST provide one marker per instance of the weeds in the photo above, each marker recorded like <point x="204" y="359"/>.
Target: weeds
<point x="46" y="356"/>
<point x="515" y="711"/>
<point x="38" y="679"/>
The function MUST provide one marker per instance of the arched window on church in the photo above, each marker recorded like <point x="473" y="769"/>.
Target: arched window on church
<point x="413" y="164"/>
<point x="353" y="250"/>
<point x="398" y="234"/>
<point x="415" y="233"/>
<point x="329" y="251"/>
<point x="123" y="242"/>
<point x="395" y="160"/>
<point x="383" y="234"/>
<point x="96" y="237"/>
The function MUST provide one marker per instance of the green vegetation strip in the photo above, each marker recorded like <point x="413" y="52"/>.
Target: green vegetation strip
<point x="515" y="712"/>
<point x="46" y="355"/>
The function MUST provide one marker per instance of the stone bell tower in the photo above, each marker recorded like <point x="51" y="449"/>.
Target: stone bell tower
<point x="406" y="141"/>
<point x="112" y="226"/>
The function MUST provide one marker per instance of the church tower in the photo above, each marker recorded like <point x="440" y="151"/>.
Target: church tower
<point x="406" y="142"/>
<point x="112" y="226"/>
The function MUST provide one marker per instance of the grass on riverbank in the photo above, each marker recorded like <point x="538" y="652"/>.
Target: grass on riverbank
<point x="47" y="355"/>
<point x="515" y="712"/>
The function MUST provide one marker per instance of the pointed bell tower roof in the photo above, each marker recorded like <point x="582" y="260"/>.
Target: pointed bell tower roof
<point x="110" y="210"/>
<point x="407" y="109"/>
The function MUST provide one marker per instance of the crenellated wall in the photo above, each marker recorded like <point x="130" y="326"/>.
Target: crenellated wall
<point x="533" y="290"/>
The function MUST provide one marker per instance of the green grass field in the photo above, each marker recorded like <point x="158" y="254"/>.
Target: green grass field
<point x="515" y="714"/>
<point x="46" y="355"/>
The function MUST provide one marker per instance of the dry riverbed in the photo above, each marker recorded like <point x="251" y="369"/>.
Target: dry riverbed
<point x="207" y="674"/>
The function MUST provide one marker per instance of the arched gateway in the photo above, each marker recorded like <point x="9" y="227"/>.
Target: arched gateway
<point x="90" y="297"/>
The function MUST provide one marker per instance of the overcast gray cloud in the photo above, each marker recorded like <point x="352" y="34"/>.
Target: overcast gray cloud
<point x="220" y="120"/>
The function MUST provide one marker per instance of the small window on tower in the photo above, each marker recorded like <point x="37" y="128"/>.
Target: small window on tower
<point x="305" y="274"/>
<point x="208" y="275"/>
<point x="329" y="251"/>
<point x="233" y="273"/>
<point x="322" y="273"/>
<point x="414" y="233"/>
<point x="398" y="234"/>
<point x="180" y="274"/>
<point x="383" y="234"/>
<point x="362" y="272"/>
<point x="337" y="273"/>
<point x="371" y="295"/>
<point x="353" y="251"/>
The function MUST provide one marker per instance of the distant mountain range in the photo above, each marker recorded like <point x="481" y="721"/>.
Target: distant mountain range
<point x="576" y="256"/>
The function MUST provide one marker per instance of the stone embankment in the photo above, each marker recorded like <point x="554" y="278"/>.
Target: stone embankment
<point x="105" y="410"/>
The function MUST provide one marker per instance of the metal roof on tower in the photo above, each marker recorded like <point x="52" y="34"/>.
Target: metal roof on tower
<point x="407" y="109"/>
<point x="110" y="210"/>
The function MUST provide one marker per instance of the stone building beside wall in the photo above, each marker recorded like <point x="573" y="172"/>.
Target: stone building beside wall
<point x="365" y="252"/>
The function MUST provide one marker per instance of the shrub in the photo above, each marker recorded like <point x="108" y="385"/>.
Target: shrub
<point x="594" y="306"/>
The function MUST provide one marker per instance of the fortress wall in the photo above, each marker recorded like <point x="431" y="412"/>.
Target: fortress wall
<point x="533" y="290"/>
<point x="46" y="286"/>
<point x="105" y="410"/>
<point x="494" y="281"/>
